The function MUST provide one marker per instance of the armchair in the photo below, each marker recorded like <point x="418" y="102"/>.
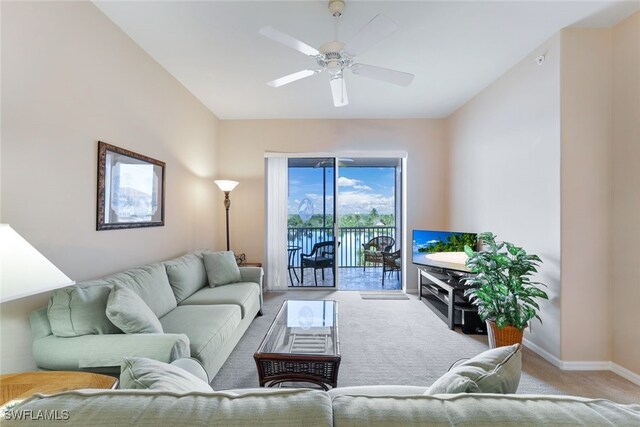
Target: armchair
<point x="391" y="261"/>
<point x="374" y="248"/>
<point x="321" y="257"/>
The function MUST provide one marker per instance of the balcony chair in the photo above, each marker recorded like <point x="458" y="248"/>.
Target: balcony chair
<point x="321" y="257"/>
<point x="391" y="261"/>
<point x="374" y="248"/>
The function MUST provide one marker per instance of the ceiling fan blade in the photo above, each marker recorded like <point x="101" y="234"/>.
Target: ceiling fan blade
<point x="288" y="41"/>
<point x="377" y="29"/>
<point x="339" y="91"/>
<point x="289" y="78"/>
<point x="383" y="74"/>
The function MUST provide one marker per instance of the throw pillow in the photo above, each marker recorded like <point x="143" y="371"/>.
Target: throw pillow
<point x="493" y="371"/>
<point x="221" y="267"/>
<point x="451" y="383"/>
<point x="129" y="312"/>
<point x="148" y="374"/>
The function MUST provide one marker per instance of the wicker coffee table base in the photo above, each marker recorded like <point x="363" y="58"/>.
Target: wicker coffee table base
<point x="274" y="369"/>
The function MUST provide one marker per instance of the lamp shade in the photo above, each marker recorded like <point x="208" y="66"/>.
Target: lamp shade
<point x="226" y="185"/>
<point x="23" y="270"/>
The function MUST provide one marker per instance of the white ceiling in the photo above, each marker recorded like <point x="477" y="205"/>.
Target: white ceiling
<point x="454" y="48"/>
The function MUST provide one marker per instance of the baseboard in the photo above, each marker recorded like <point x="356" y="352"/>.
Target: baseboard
<point x="625" y="373"/>
<point x="579" y="365"/>
<point x="566" y="365"/>
<point x="542" y="353"/>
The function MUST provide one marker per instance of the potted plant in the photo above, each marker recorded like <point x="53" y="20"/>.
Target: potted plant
<point x="502" y="289"/>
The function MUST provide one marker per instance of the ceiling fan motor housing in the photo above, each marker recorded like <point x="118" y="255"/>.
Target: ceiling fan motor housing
<point x="331" y="59"/>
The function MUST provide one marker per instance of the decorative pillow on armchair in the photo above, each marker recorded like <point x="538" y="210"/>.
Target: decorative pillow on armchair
<point x="221" y="267"/>
<point x="493" y="371"/>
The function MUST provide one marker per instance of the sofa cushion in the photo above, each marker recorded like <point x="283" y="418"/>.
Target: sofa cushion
<point x="80" y="310"/>
<point x="186" y="275"/>
<point x="208" y="327"/>
<point x="221" y="267"/>
<point x="147" y="374"/>
<point x="129" y="313"/>
<point x="152" y="285"/>
<point x="494" y="371"/>
<point x="481" y="410"/>
<point x="267" y="407"/>
<point x="244" y="294"/>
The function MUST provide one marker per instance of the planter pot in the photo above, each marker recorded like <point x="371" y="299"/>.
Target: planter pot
<point x="500" y="337"/>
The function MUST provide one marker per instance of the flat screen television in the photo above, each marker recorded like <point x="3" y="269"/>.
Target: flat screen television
<point x="442" y="249"/>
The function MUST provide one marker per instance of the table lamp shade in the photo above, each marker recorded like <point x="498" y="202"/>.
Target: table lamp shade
<point x="23" y="270"/>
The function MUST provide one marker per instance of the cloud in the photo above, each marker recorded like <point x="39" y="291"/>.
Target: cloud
<point x="347" y="182"/>
<point x="363" y="203"/>
<point x="354" y="183"/>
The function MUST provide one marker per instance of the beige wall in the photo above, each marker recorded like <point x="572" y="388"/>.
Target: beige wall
<point x="626" y="194"/>
<point x="586" y="80"/>
<point x="244" y="142"/>
<point x="505" y="171"/>
<point x="70" y="77"/>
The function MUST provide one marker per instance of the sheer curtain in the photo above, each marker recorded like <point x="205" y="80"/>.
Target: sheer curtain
<point x="276" y="234"/>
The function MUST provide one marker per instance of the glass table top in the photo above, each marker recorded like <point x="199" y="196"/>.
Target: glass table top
<point x="304" y="327"/>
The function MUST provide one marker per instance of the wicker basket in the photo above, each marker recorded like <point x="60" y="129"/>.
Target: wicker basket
<point x="500" y="337"/>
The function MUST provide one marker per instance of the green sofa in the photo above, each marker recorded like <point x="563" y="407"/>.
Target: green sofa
<point x="353" y="406"/>
<point x="74" y="333"/>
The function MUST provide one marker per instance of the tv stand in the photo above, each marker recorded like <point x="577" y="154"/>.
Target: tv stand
<point x="443" y="292"/>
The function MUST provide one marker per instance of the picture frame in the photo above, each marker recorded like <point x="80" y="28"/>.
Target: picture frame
<point x="130" y="189"/>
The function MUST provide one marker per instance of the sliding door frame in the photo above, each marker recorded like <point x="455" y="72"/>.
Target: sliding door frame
<point x="336" y="155"/>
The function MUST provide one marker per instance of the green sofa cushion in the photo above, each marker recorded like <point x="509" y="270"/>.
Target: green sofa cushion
<point x="80" y="310"/>
<point x="244" y="294"/>
<point x="186" y="275"/>
<point x="148" y="374"/>
<point x="152" y="285"/>
<point x="129" y="313"/>
<point x="493" y="371"/>
<point x="208" y="327"/>
<point x="479" y="409"/>
<point x="221" y="267"/>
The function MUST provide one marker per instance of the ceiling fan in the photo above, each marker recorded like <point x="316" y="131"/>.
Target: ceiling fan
<point x="335" y="57"/>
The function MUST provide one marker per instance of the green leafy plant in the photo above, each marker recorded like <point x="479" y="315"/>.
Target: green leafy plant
<point x="501" y="286"/>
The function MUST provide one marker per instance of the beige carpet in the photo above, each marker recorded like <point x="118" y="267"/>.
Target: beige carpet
<point x="403" y="342"/>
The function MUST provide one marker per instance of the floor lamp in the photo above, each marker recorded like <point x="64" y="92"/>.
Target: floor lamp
<point x="226" y="186"/>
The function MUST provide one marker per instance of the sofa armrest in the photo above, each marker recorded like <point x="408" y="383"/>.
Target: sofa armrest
<point x="107" y="350"/>
<point x="40" y="326"/>
<point x="253" y="274"/>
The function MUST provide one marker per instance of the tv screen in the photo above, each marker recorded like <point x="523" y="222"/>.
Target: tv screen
<point x="442" y="249"/>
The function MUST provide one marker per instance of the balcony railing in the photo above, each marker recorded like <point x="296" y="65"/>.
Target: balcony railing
<point x="350" y="252"/>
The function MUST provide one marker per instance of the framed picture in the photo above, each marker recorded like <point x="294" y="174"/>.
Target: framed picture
<point x="130" y="189"/>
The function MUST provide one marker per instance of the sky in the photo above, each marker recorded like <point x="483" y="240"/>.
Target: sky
<point x="360" y="189"/>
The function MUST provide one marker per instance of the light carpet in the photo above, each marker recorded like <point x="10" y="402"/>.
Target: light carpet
<point x="381" y="342"/>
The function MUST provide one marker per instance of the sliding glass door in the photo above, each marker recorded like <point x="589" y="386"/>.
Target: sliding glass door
<point x="311" y="238"/>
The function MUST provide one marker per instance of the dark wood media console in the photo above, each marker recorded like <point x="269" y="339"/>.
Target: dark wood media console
<point x="444" y="294"/>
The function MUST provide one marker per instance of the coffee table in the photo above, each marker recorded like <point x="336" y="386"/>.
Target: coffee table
<point x="24" y="384"/>
<point x="302" y="345"/>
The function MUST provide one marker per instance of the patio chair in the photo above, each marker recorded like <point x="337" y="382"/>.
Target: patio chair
<point x="391" y="261"/>
<point x="373" y="249"/>
<point x="321" y="257"/>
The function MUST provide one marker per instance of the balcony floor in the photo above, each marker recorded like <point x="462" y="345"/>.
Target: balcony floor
<point x="352" y="279"/>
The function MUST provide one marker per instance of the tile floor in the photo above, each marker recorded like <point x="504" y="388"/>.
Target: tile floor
<point x="351" y="279"/>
